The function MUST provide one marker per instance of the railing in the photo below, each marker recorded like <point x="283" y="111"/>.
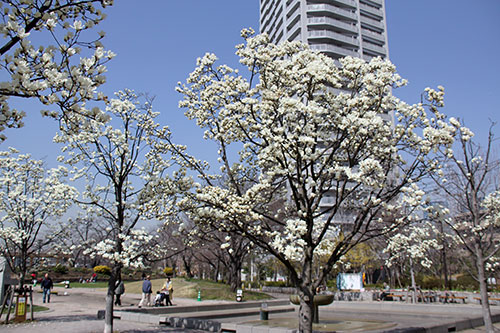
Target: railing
<point x="371" y="10"/>
<point x="377" y="3"/>
<point x="332" y="9"/>
<point x="375" y="48"/>
<point x="372" y="22"/>
<point x="333" y="22"/>
<point x="333" y="35"/>
<point x="327" y="48"/>
<point x="350" y="3"/>
<point x="372" y="34"/>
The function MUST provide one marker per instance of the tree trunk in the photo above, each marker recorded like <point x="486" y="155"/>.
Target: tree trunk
<point x="483" y="289"/>
<point x="187" y="267"/>
<point x="444" y="258"/>
<point x="234" y="274"/>
<point x="110" y="297"/>
<point x="108" y="317"/>
<point x="306" y="312"/>
<point x="306" y="293"/>
<point x="413" y="283"/>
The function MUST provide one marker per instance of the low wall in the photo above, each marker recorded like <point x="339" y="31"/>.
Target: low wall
<point x="370" y="295"/>
<point x="339" y="295"/>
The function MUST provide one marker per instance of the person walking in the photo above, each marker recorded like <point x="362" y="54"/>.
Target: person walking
<point x="146" y="292"/>
<point x="168" y="290"/>
<point x="46" y="286"/>
<point x="119" y="291"/>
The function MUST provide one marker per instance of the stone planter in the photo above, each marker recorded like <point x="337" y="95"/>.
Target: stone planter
<point x="317" y="301"/>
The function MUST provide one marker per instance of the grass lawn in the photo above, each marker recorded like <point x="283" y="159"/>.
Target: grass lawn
<point x="189" y="289"/>
<point x="99" y="284"/>
<point x="36" y="308"/>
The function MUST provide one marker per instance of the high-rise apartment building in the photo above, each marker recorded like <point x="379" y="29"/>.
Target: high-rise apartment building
<point x="337" y="28"/>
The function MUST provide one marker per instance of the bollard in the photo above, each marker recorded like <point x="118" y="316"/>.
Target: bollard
<point x="199" y="296"/>
<point x="264" y="313"/>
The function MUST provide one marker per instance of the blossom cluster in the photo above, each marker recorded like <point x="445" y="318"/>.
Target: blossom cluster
<point x="131" y="170"/>
<point x="65" y="73"/>
<point x="30" y="195"/>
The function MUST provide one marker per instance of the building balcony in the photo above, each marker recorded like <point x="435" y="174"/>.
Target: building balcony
<point x="325" y="8"/>
<point x="371" y="10"/>
<point x="328" y="34"/>
<point x="348" y="3"/>
<point x="375" y="3"/>
<point x="328" y="21"/>
<point x="375" y="48"/>
<point x="373" y="35"/>
<point x="333" y="50"/>
<point x="372" y="23"/>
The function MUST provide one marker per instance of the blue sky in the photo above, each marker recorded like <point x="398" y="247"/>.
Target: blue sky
<point x="432" y="42"/>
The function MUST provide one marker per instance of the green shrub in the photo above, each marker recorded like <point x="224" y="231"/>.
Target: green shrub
<point x="101" y="269"/>
<point x="431" y="282"/>
<point x="80" y="269"/>
<point x="168" y="271"/>
<point x="331" y="284"/>
<point x="465" y="282"/>
<point x="60" y="269"/>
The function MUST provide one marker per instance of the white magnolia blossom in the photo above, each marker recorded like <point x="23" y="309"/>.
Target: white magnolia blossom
<point x="125" y="164"/>
<point x="414" y="242"/>
<point x="134" y="249"/>
<point x="316" y="149"/>
<point x="65" y="73"/>
<point x="30" y="196"/>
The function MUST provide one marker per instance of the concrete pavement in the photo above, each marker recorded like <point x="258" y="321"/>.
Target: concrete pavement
<point x="76" y="311"/>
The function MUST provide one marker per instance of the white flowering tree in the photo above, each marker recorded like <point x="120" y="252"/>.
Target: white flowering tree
<point x="411" y="247"/>
<point x="469" y="183"/>
<point x="64" y="71"/>
<point x="316" y="143"/>
<point x="125" y="164"/>
<point x="30" y="197"/>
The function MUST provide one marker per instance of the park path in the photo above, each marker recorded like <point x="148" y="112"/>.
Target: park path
<point x="75" y="310"/>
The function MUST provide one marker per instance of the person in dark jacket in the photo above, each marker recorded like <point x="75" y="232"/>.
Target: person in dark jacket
<point x="46" y="285"/>
<point x="119" y="291"/>
<point x="146" y="292"/>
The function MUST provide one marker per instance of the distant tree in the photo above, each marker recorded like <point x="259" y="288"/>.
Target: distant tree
<point x="77" y="235"/>
<point x="125" y="164"/>
<point x="30" y="196"/>
<point x="65" y="72"/>
<point x="410" y="248"/>
<point x="469" y="182"/>
<point x="305" y="127"/>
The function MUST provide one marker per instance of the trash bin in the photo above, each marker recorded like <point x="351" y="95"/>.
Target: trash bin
<point x="264" y="312"/>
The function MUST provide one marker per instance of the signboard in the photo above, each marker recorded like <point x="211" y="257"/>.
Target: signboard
<point x="350" y="281"/>
<point x="20" y="309"/>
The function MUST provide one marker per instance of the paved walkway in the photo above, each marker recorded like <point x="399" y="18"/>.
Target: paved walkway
<point x="75" y="310"/>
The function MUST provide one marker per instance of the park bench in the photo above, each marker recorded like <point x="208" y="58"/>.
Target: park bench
<point x="401" y="297"/>
<point x="445" y="298"/>
<point x="489" y="299"/>
<point x="428" y="298"/>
